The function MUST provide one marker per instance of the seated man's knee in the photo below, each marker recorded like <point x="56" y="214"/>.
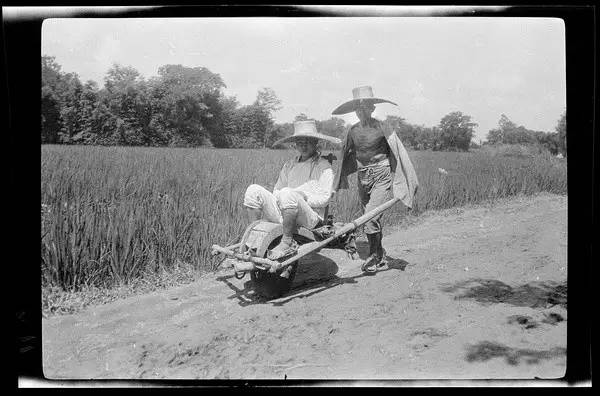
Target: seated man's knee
<point x="252" y="197"/>
<point x="288" y="199"/>
<point x="254" y="189"/>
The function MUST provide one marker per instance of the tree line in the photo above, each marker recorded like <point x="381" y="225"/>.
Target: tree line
<point x="509" y="133"/>
<point x="186" y="107"/>
<point x="181" y="107"/>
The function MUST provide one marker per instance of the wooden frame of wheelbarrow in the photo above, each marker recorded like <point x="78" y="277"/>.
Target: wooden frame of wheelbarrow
<point x="248" y="262"/>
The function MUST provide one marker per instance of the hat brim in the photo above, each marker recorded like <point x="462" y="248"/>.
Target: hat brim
<point x="352" y="105"/>
<point x="291" y="139"/>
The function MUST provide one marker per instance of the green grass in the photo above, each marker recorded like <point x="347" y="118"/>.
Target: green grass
<point x="116" y="216"/>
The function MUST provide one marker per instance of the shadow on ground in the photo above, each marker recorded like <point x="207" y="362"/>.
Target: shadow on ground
<point x="487" y="350"/>
<point x="527" y="322"/>
<point x="490" y="291"/>
<point x="321" y="275"/>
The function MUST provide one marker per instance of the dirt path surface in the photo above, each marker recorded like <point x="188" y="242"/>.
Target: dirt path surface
<point x="478" y="292"/>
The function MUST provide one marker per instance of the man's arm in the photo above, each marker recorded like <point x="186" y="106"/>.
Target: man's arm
<point x="282" y="180"/>
<point x="347" y="163"/>
<point x="318" y="192"/>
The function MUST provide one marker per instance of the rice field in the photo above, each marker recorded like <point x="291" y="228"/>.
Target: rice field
<point x="110" y="215"/>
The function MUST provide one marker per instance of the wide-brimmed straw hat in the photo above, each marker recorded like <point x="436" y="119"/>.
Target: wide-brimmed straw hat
<point x="361" y="95"/>
<point x="307" y="129"/>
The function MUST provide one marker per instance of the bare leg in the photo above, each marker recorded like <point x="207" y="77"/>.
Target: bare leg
<point x="289" y="227"/>
<point x="287" y="241"/>
<point x="289" y="224"/>
<point x="376" y="253"/>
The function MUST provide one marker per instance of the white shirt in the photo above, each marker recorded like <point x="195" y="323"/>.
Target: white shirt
<point x="312" y="177"/>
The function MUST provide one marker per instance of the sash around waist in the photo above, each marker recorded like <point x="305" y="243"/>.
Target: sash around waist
<point x="383" y="162"/>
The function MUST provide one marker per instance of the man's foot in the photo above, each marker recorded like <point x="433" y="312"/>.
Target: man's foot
<point x="286" y="272"/>
<point x="371" y="263"/>
<point x="283" y="250"/>
<point x="383" y="260"/>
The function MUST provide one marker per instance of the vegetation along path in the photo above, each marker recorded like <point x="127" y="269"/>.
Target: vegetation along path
<point x="475" y="292"/>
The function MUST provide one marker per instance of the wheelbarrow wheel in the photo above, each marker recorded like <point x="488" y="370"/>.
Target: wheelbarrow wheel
<point x="272" y="285"/>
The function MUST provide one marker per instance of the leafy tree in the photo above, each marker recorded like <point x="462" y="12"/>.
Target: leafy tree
<point x="408" y="133"/>
<point x="301" y="117"/>
<point x="504" y="126"/>
<point x="251" y="122"/>
<point x="53" y="95"/>
<point x="268" y="102"/>
<point x="519" y="135"/>
<point x="430" y="139"/>
<point x="224" y="134"/>
<point x="549" y="141"/>
<point x="280" y="131"/>
<point x="70" y="107"/>
<point x="188" y="102"/>
<point x="494" y="136"/>
<point x="509" y="133"/>
<point x="505" y="123"/>
<point x="456" y="131"/>
<point x="87" y="128"/>
<point x="335" y="127"/>
<point x="123" y="95"/>
<point x="121" y="78"/>
<point x="561" y="130"/>
<point x="51" y="74"/>
<point x="51" y="121"/>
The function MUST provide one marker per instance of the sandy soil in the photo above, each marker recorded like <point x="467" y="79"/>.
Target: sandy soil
<point x="475" y="293"/>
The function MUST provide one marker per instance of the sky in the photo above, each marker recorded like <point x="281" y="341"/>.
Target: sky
<point x="429" y="66"/>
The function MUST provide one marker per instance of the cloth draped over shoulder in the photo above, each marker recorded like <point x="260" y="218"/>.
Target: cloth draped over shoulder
<point x="405" y="182"/>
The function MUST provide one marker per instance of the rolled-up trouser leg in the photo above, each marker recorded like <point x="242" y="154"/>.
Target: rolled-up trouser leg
<point x="290" y="199"/>
<point x="258" y="197"/>
<point x="374" y="188"/>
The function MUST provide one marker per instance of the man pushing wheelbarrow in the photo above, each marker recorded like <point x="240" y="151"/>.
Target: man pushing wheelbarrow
<point x="385" y="171"/>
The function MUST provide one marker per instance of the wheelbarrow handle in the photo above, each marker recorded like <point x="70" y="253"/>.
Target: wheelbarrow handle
<point x="230" y="247"/>
<point x="344" y="230"/>
<point x="368" y="216"/>
<point x="244" y="257"/>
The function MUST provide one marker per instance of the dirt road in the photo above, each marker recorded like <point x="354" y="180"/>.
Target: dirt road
<point x="478" y="292"/>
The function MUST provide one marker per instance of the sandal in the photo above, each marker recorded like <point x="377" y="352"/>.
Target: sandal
<point x="373" y="262"/>
<point x="383" y="260"/>
<point x="279" y="254"/>
<point x="287" y="271"/>
<point x="370" y="264"/>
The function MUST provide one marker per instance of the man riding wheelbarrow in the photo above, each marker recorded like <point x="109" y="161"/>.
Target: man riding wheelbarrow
<point x="291" y="221"/>
<point x="301" y="194"/>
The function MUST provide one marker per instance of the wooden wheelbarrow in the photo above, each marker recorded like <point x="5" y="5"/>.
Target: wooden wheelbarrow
<point x="249" y="255"/>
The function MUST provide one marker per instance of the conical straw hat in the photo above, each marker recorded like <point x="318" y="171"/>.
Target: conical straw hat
<point x="307" y="129"/>
<point x="362" y="94"/>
